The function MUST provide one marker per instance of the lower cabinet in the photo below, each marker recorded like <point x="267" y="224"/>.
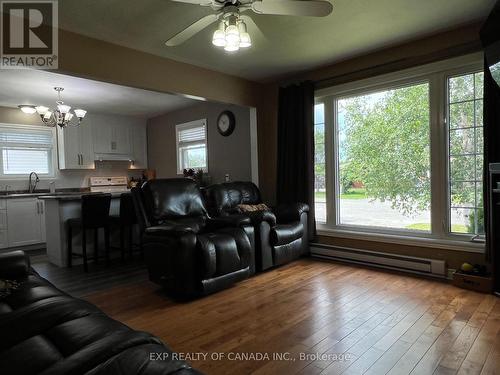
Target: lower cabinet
<point x="25" y="222"/>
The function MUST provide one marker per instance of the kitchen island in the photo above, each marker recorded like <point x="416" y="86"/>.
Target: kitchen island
<point x="58" y="209"/>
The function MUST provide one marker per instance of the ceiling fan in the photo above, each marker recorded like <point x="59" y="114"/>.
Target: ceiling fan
<point x="232" y="32"/>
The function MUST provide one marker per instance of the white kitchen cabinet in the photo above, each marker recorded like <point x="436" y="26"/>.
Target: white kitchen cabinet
<point x="4" y="241"/>
<point x="25" y="221"/>
<point x="75" y="147"/>
<point x="111" y="137"/>
<point x="139" y="147"/>
<point x="41" y="212"/>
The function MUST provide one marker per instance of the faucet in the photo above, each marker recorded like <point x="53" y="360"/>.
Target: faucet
<point x="32" y="184"/>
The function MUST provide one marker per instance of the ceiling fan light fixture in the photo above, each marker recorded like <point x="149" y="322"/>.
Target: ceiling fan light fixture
<point x="232" y="46"/>
<point x="219" y="38"/>
<point x="28" y="109"/>
<point x="245" y="40"/>
<point x="232" y="34"/>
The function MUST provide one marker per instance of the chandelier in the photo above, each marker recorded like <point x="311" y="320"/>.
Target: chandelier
<point x="232" y="33"/>
<point x="61" y="115"/>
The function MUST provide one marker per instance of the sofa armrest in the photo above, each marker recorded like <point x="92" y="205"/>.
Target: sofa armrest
<point x="168" y="230"/>
<point x="257" y="217"/>
<point x="290" y="212"/>
<point x="14" y="265"/>
<point x="230" y="221"/>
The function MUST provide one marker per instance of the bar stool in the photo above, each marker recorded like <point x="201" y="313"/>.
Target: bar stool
<point x="95" y="215"/>
<point x="126" y="221"/>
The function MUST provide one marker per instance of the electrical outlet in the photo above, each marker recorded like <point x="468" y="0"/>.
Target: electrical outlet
<point x="451" y="271"/>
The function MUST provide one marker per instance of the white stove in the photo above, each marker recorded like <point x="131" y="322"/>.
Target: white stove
<point x="108" y="184"/>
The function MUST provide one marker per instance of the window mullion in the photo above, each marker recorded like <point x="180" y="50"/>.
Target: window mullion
<point x="439" y="150"/>
<point x="330" y="161"/>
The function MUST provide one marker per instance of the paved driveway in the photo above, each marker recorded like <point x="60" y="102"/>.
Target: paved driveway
<point x="372" y="213"/>
<point x="376" y="213"/>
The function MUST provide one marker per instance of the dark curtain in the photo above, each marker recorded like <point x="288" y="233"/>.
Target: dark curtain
<point x="491" y="155"/>
<point x="490" y="34"/>
<point x="296" y="147"/>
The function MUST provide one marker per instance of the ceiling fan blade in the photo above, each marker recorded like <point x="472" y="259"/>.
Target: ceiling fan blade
<point x="194" y="2"/>
<point x="313" y="8"/>
<point x="192" y="29"/>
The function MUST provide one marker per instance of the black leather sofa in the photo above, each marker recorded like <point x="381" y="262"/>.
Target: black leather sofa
<point x="45" y="331"/>
<point x="186" y="251"/>
<point x="280" y="234"/>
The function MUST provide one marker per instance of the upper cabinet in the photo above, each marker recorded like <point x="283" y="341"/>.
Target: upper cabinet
<point x="139" y="147"/>
<point x="111" y="137"/>
<point x="103" y="137"/>
<point x="75" y="150"/>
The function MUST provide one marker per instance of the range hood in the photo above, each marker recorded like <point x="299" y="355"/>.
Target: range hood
<point x="114" y="157"/>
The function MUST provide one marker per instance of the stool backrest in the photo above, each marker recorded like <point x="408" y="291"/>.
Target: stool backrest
<point x="127" y="209"/>
<point x="95" y="210"/>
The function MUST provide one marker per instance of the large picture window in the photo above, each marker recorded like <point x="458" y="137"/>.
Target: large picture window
<point x="384" y="159"/>
<point x="402" y="154"/>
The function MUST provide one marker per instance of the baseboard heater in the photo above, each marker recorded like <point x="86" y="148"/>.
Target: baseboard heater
<point x="430" y="267"/>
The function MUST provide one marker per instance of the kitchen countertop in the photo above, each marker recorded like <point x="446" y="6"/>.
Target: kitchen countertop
<point x="75" y="196"/>
<point x="58" y="195"/>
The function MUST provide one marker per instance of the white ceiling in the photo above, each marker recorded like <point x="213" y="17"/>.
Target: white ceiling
<point x="290" y="44"/>
<point x="37" y="88"/>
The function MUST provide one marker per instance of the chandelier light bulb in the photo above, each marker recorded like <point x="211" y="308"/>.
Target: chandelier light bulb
<point x="80" y="113"/>
<point x="63" y="108"/>
<point x="41" y="110"/>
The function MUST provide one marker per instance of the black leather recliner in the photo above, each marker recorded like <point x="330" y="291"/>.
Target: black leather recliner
<point x="281" y="234"/>
<point x="186" y="251"/>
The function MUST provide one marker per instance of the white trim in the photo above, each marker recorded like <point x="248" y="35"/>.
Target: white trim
<point x="53" y="159"/>
<point x="190" y="125"/>
<point x="403" y="239"/>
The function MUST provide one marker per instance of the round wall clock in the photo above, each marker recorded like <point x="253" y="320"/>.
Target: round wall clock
<point x="226" y="123"/>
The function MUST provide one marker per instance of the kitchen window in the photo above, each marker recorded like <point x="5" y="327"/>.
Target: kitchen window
<point x="192" y="146"/>
<point x="26" y="149"/>
<point x="401" y="154"/>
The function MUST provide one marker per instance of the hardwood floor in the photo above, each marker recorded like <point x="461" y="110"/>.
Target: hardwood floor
<point x="360" y="320"/>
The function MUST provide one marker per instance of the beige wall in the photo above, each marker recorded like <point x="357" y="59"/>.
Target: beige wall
<point x="229" y="155"/>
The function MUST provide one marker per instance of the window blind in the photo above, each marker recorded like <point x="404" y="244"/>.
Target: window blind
<point x="25" y="161"/>
<point x="25" y="149"/>
<point x="192" y="134"/>
<point x="25" y="138"/>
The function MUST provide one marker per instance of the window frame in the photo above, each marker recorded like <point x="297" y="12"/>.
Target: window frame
<point x="52" y="160"/>
<point x="436" y="75"/>
<point x="178" y="144"/>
